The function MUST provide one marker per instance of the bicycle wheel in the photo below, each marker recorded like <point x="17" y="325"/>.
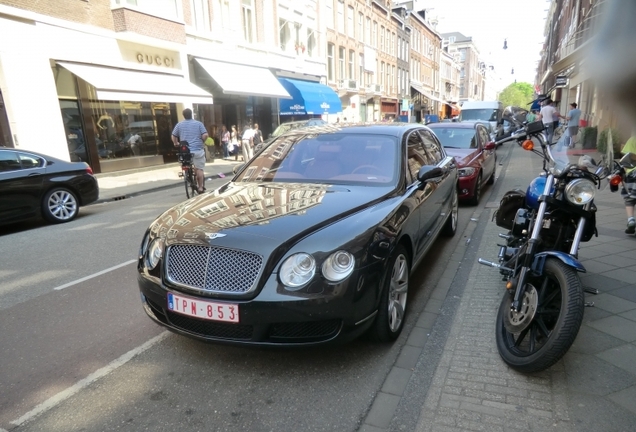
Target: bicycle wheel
<point x="194" y="189"/>
<point x="187" y="180"/>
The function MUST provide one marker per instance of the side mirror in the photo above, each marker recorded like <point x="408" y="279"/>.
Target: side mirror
<point x="428" y="172"/>
<point x="237" y="168"/>
<point x="490" y="146"/>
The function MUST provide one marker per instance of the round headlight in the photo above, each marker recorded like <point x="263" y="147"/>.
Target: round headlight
<point x="297" y="270"/>
<point x="338" y="266"/>
<point x="155" y="252"/>
<point x="580" y="191"/>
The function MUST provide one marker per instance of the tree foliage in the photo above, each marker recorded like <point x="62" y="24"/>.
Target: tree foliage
<point x="517" y="94"/>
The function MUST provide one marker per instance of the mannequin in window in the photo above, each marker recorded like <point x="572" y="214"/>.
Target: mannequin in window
<point x="105" y="118"/>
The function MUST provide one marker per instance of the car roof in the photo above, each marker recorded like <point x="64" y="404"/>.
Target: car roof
<point x="456" y="125"/>
<point x="43" y="156"/>
<point x="393" y="129"/>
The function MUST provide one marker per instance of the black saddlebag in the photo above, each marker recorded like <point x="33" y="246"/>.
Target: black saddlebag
<point x="511" y="202"/>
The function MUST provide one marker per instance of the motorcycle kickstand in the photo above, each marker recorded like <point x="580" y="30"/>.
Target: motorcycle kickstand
<point x="590" y="290"/>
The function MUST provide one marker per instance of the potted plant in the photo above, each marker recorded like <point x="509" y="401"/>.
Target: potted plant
<point x="588" y="137"/>
<point x="601" y="146"/>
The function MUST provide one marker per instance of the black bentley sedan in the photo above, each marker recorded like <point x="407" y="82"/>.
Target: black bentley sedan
<point x="32" y="185"/>
<point x="313" y="240"/>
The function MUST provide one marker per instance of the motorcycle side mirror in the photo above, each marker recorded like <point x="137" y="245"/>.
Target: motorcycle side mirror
<point x="628" y="161"/>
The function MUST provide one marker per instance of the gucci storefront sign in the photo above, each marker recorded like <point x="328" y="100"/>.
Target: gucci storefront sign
<point x="155" y="60"/>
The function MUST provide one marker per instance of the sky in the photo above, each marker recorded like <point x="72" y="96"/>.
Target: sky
<point x="490" y="22"/>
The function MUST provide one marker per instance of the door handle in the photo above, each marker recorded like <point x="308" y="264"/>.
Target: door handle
<point x="34" y="175"/>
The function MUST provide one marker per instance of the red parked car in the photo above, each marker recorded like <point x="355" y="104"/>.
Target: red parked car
<point x="474" y="151"/>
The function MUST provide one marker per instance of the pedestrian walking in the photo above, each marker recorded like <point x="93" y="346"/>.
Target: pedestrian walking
<point x="258" y="138"/>
<point x="234" y="142"/>
<point x="247" y="142"/>
<point x="573" y="117"/>
<point x="547" y="115"/>
<point x="194" y="133"/>
<point x="209" y="149"/>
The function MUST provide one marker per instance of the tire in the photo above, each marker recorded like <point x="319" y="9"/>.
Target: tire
<point x="186" y="182"/>
<point x="60" y="205"/>
<point x="450" y="227"/>
<point x="474" y="200"/>
<point x="393" y="302"/>
<point x="559" y="312"/>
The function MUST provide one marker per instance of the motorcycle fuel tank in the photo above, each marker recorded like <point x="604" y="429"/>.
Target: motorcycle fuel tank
<point x="535" y="190"/>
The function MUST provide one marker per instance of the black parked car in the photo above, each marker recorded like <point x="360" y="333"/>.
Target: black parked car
<point x="313" y="240"/>
<point x="32" y="185"/>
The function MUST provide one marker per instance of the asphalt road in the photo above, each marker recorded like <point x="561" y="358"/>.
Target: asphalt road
<point x="79" y="354"/>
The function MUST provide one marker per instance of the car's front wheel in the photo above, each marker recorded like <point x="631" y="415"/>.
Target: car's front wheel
<point x="392" y="312"/>
<point x="60" y="205"/>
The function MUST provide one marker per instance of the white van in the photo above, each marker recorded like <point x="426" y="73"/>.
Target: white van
<point x="490" y="111"/>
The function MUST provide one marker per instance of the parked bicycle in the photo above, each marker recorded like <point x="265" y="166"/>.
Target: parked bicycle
<point x="187" y="169"/>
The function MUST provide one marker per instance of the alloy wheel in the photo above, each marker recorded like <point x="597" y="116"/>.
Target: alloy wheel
<point x="398" y="291"/>
<point x="62" y="205"/>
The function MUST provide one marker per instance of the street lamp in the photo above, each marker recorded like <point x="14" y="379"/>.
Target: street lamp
<point x="505" y="44"/>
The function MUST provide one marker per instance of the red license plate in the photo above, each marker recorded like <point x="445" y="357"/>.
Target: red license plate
<point x="203" y="309"/>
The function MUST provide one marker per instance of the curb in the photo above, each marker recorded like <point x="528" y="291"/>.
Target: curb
<point x="151" y="189"/>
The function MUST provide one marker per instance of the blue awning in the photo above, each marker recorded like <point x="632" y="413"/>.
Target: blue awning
<point x="308" y="98"/>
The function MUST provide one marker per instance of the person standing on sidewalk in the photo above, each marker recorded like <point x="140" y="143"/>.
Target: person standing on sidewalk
<point x="629" y="191"/>
<point x="258" y="137"/>
<point x="225" y="140"/>
<point x="246" y="143"/>
<point x="547" y="116"/>
<point x="573" y="117"/>
<point x="194" y="133"/>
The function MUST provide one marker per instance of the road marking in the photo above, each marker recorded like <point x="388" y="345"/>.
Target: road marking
<point x="83" y="383"/>
<point x="88" y="226"/>
<point x="61" y="287"/>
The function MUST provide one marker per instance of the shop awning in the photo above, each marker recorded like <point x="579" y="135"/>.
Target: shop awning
<point x="243" y="80"/>
<point x="425" y="94"/>
<point x="309" y="98"/>
<point x="130" y="85"/>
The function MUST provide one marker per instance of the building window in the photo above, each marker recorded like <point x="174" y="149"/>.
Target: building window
<point x="221" y="16"/>
<point x="374" y="36"/>
<point x="382" y="77"/>
<point x="361" y="70"/>
<point x="360" y="26"/>
<point x="341" y="63"/>
<point x="350" y="25"/>
<point x="200" y="15"/>
<point x="248" y="21"/>
<point x="284" y="34"/>
<point x="341" y="17"/>
<point x="166" y="8"/>
<point x="399" y="41"/>
<point x="392" y="44"/>
<point x="367" y="31"/>
<point x="382" y="38"/>
<point x="330" y="62"/>
<point x="352" y="64"/>
<point x="311" y="42"/>
<point x="329" y="13"/>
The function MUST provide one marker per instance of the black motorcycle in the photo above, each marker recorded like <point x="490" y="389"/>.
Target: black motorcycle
<point x="542" y="310"/>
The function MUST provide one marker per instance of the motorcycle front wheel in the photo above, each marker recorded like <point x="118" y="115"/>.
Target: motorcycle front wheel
<point x="555" y="324"/>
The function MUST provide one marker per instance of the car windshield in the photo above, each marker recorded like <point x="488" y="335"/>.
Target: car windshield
<point x="328" y="158"/>
<point x="462" y="138"/>
<point x="486" y="114"/>
<point x="285" y="127"/>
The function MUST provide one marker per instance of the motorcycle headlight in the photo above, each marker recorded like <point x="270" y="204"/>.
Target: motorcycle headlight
<point x="155" y="252"/>
<point x="297" y="270"/>
<point x="580" y="191"/>
<point x="338" y="266"/>
<point x="466" y="172"/>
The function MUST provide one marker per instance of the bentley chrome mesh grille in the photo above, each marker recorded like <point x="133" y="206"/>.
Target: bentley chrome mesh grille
<point x="213" y="269"/>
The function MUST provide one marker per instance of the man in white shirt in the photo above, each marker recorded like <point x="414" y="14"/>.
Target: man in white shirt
<point x="548" y="115"/>
<point x="246" y="143"/>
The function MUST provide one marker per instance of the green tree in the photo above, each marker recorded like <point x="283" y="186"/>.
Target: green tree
<point x="517" y="94"/>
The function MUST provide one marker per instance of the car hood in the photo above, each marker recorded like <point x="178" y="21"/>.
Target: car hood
<point x="239" y="214"/>
<point x="463" y="157"/>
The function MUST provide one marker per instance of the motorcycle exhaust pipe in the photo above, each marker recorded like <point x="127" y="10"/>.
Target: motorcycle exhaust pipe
<point x="492" y="264"/>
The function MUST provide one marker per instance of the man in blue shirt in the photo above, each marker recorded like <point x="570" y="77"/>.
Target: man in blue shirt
<point x="195" y="134"/>
<point x="573" y="117"/>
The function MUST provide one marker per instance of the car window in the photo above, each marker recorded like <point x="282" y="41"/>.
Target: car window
<point x="9" y="161"/>
<point x="455" y="137"/>
<point x="432" y="147"/>
<point x="417" y="157"/>
<point x="483" y="135"/>
<point x="30" y="161"/>
<point x="328" y="158"/>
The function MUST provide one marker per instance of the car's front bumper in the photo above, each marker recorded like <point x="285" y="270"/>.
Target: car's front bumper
<point x="275" y="317"/>
<point x="467" y="186"/>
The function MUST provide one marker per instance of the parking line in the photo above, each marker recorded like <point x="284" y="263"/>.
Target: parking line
<point x="61" y="287"/>
<point x="81" y="384"/>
